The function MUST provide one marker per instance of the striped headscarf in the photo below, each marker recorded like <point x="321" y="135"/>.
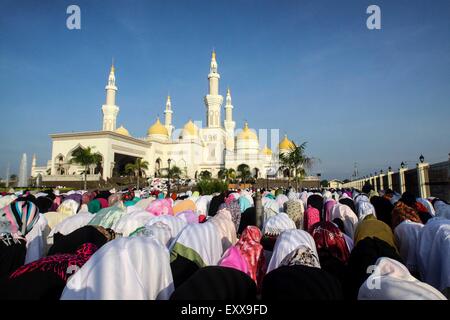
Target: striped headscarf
<point x="21" y="215"/>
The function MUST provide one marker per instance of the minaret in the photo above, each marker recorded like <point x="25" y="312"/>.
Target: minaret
<point x="213" y="100"/>
<point x="229" y="124"/>
<point x="168" y="116"/>
<point x="110" y="110"/>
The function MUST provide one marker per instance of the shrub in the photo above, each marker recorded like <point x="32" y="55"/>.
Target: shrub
<point x="207" y="186"/>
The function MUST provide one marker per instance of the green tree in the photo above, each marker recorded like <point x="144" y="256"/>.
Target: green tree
<point x="324" y="183"/>
<point x="174" y="172"/>
<point x="137" y="168"/>
<point x="296" y="161"/>
<point x="85" y="158"/>
<point x="244" y="172"/>
<point x="205" y="175"/>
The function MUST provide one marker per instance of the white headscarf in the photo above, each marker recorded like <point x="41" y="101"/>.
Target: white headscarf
<point x="287" y="242"/>
<point x="204" y="239"/>
<point x="37" y="246"/>
<point x="433" y="253"/>
<point x="392" y="281"/>
<point x="427" y="205"/>
<point x="407" y="235"/>
<point x="131" y="221"/>
<point x="442" y="209"/>
<point x="348" y="217"/>
<point x="225" y="225"/>
<point x="136" y="268"/>
<point x="68" y="207"/>
<point x="277" y="224"/>
<point x="202" y="205"/>
<point x="365" y="208"/>
<point x="71" y="224"/>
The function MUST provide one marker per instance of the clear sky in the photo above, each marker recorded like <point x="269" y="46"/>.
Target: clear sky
<point x="310" y="68"/>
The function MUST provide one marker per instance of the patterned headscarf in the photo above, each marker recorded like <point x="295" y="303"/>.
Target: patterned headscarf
<point x="235" y="211"/>
<point x="128" y="196"/>
<point x="21" y="216"/>
<point x="251" y="249"/>
<point x="328" y="237"/>
<point x="61" y="264"/>
<point x="301" y="256"/>
<point x="294" y="209"/>
<point x="402" y="212"/>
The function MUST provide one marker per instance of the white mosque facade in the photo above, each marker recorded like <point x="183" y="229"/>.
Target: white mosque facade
<point x="193" y="148"/>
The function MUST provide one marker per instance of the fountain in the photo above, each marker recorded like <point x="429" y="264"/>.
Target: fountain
<point x="23" y="179"/>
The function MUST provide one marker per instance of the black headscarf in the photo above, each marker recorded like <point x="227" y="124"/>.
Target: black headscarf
<point x="216" y="201"/>
<point x="348" y="202"/>
<point x="363" y="255"/>
<point x="316" y="201"/>
<point x="44" y="204"/>
<point x="216" y="283"/>
<point x="71" y="242"/>
<point x="383" y="208"/>
<point x="182" y="269"/>
<point x="300" y="282"/>
<point x="248" y="218"/>
<point x="12" y="255"/>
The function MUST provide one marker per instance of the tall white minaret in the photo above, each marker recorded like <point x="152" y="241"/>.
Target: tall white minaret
<point x="229" y="124"/>
<point x="213" y="100"/>
<point x="110" y="110"/>
<point x="168" y="116"/>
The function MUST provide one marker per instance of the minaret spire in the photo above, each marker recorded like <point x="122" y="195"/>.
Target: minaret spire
<point x="213" y="99"/>
<point x="168" y="116"/>
<point x="229" y="124"/>
<point x="110" y="109"/>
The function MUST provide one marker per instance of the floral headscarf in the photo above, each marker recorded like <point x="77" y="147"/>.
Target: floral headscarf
<point x="402" y="212"/>
<point x="328" y="237"/>
<point x="235" y="211"/>
<point x="301" y="256"/>
<point x="294" y="209"/>
<point x="251" y="249"/>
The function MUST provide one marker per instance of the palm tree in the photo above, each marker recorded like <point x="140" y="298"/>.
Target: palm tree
<point x="244" y="172"/>
<point x="174" y="172"/>
<point x="138" y="168"/>
<point x="205" y="175"/>
<point x="231" y="174"/>
<point x="85" y="158"/>
<point x="296" y="161"/>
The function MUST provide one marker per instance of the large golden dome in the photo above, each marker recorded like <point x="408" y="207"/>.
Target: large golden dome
<point x="247" y="134"/>
<point x="285" y="144"/>
<point x="190" y="129"/>
<point x="122" y="130"/>
<point x="157" y="129"/>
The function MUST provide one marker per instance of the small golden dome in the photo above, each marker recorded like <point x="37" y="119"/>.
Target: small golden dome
<point x="247" y="134"/>
<point x="190" y="129"/>
<point x="122" y="130"/>
<point x="266" y="151"/>
<point x="285" y="144"/>
<point x="157" y="129"/>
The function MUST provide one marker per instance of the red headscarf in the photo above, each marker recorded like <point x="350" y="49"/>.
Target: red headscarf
<point x="251" y="249"/>
<point x="328" y="236"/>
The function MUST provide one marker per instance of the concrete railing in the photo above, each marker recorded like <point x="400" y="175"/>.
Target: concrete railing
<point x="416" y="180"/>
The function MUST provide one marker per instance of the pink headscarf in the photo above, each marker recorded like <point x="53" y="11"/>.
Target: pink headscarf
<point x="103" y="202"/>
<point x="56" y="203"/>
<point x="188" y="216"/>
<point x="311" y="217"/>
<point x="328" y="208"/>
<point x="232" y="258"/>
<point x="160" y="207"/>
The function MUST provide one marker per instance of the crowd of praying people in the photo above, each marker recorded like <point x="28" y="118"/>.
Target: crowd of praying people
<point x="278" y="244"/>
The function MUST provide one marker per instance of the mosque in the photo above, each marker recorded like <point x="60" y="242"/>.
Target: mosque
<point x="193" y="148"/>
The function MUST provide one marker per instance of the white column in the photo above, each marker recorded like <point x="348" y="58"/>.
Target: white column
<point x="390" y="179"/>
<point x="401" y="174"/>
<point x="422" y="177"/>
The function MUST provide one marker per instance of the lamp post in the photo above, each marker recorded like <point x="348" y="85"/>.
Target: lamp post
<point x="402" y="165"/>
<point x="168" y="175"/>
<point x="421" y="158"/>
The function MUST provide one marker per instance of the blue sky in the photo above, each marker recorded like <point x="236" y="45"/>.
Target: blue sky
<point x="310" y="68"/>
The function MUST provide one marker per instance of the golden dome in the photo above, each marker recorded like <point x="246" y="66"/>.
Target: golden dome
<point x="285" y="144"/>
<point x="190" y="129"/>
<point x="122" y="130"/>
<point x="157" y="128"/>
<point x="247" y="134"/>
<point x="266" y="151"/>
